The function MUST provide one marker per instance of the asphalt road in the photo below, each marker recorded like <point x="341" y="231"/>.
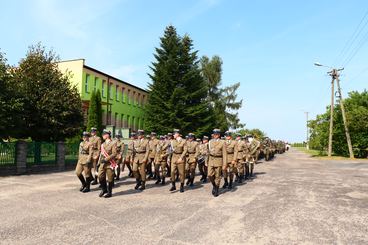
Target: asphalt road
<point x="294" y="199"/>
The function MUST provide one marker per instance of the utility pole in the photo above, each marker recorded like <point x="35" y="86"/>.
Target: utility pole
<point x="344" y="118"/>
<point x="333" y="75"/>
<point x="306" y="114"/>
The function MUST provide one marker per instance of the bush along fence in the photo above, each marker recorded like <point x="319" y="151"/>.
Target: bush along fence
<point x="27" y="157"/>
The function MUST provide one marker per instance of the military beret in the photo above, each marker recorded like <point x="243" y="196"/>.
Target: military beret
<point x="205" y="138"/>
<point x="140" y="132"/>
<point x="105" y="131"/>
<point x="216" y="131"/>
<point x="86" y="134"/>
<point x="190" y="135"/>
<point x="93" y="129"/>
<point x="227" y="133"/>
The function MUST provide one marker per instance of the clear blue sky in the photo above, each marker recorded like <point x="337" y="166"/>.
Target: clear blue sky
<point x="267" y="46"/>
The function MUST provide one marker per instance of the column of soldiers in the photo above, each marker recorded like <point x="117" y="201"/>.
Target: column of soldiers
<point x="169" y="156"/>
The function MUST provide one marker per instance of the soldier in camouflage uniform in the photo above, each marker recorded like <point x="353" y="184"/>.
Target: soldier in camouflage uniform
<point x="217" y="161"/>
<point x="96" y="147"/>
<point x="231" y="147"/>
<point x="161" y="160"/>
<point x="192" y="156"/>
<point x="84" y="163"/>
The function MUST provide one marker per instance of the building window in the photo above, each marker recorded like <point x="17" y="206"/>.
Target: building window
<point x="117" y="92"/>
<point x="128" y="97"/>
<point x="110" y="93"/>
<point x="122" y="94"/>
<point x="116" y="119"/>
<point x="128" y="121"/>
<point x="139" y="100"/>
<point x="134" y="102"/>
<point x="133" y="123"/>
<point x="86" y="83"/>
<point x="95" y="84"/>
<point x="122" y="121"/>
<point x="103" y="88"/>
<point x="142" y="101"/>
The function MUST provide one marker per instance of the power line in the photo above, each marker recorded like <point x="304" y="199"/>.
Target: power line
<point x="357" y="48"/>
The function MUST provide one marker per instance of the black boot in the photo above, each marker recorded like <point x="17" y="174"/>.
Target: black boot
<point x="143" y="186"/>
<point x="158" y="181"/>
<point x="226" y="184"/>
<point x="95" y="182"/>
<point x="216" y="191"/>
<point x="173" y="187"/>
<point x="191" y="182"/>
<point x="213" y="185"/>
<point x="109" y="190"/>
<point x="138" y="184"/>
<point x="230" y="184"/>
<point x="181" y="187"/>
<point x="88" y="185"/>
<point x="237" y="177"/>
<point x="204" y="179"/>
<point x="163" y="181"/>
<point x="83" y="181"/>
<point x="103" y="188"/>
<point x="188" y="181"/>
<point x="240" y="179"/>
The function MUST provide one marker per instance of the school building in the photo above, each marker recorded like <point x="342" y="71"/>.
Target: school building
<point x="122" y="103"/>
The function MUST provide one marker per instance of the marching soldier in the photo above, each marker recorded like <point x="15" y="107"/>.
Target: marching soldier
<point x="96" y="146"/>
<point x="107" y="164"/>
<point x="168" y="139"/>
<point x="141" y="151"/>
<point x="152" y="153"/>
<point x="192" y="147"/>
<point x="231" y="162"/>
<point x="203" y="158"/>
<point x="240" y="154"/>
<point x="128" y="160"/>
<point x="253" y="146"/>
<point x="217" y="160"/>
<point x="179" y="149"/>
<point x="84" y="163"/>
<point x="161" y="160"/>
<point x="119" y="155"/>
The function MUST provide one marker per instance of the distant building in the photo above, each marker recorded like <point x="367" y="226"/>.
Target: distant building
<point x="122" y="103"/>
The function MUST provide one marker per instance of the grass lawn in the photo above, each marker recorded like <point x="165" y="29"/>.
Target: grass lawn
<point x="323" y="155"/>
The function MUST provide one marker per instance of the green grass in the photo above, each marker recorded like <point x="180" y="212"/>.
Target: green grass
<point x="313" y="153"/>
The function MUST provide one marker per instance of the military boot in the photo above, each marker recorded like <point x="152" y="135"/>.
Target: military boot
<point x="143" y="186"/>
<point x="88" y="185"/>
<point x="213" y="184"/>
<point x="95" y="182"/>
<point x="181" y="187"/>
<point x="251" y="171"/>
<point x="240" y="179"/>
<point x="231" y="183"/>
<point x="216" y="193"/>
<point x="173" y="187"/>
<point x="103" y="188"/>
<point x="226" y="183"/>
<point x="138" y="184"/>
<point x="191" y="182"/>
<point x="83" y="181"/>
<point x="109" y="190"/>
<point x="188" y="181"/>
<point x="158" y="181"/>
<point x="163" y="180"/>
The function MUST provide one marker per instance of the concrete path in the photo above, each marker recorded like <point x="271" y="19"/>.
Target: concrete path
<point x="294" y="199"/>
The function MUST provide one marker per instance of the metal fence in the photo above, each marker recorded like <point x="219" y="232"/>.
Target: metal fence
<point x="71" y="153"/>
<point x="41" y="153"/>
<point x="7" y="154"/>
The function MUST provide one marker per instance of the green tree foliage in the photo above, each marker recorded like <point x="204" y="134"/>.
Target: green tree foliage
<point x="52" y="109"/>
<point x="357" y="116"/>
<point x="177" y="92"/>
<point x="95" y="112"/>
<point x="11" y="102"/>
<point x="257" y="133"/>
<point x="223" y="100"/>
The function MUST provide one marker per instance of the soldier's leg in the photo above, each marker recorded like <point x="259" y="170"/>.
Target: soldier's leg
<point x="173" y="176"/>
<point x="157" y="173"/>
<point x="231" y="171"/>
<point x="94" y="171"/>
<point x="246" y="169"/>
<point x="102" y="179"/>
<point x="110" y="179"/>
<point x="118" y="169"/>
<point x="136" y="174"/>
<point x="218" y="175"/>
<point x="87" y="174"/>
<point x="251" y="167"/>
<point x="78" y="172"/>
<point x="142" y="172"/>
<point x="163" y="171"/>
<point x="192" y="172"/>
<point x="225" y="174"/>
<point x="181" y="170"/>
<point x="240" y="170"/>
<point x="200" y="168"/>
<point x="211" y="177"/>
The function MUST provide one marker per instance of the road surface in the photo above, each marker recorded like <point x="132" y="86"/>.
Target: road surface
<point x="294" y="199"/>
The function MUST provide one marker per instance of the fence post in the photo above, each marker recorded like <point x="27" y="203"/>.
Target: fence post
<point x="21" y="157"/>
<point x="60" y="155"/>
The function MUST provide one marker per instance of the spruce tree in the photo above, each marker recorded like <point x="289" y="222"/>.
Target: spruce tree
<point x="177" y="94"/>
<point x="95" y="112"/>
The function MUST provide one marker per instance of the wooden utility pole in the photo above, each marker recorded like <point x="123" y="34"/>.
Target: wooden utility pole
<point x="306" y="114"/>
<point x="333" y="75"/>
<point x="344" y="118"/>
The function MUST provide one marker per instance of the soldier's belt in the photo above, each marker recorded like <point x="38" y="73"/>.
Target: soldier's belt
<point x="140" y="152"/>
<point x="84" y="153"/>
<point x="191" y="153"/>
<point x="177" y="153"/>
<point x="217" y="156"/>
<point x="240" y="151"/>
<point x="230" y="153"/>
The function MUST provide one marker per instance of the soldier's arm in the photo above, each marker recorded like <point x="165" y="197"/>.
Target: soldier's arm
<point x="236" y="151"/>
<point x="113" y="153"/>
<point x="224" y="155"/>
<point x="185" y="151"/>
<point x="147" y="152"/>
<point x="90" y="151"/>
<point x="196" y="151"/>
<point x="99" y="142"/>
